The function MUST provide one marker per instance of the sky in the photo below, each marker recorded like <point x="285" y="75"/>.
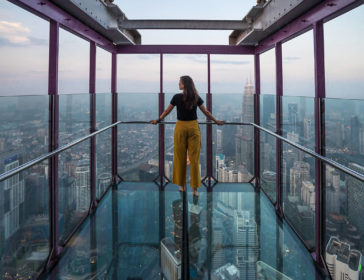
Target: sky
<point x="24" y="54"/>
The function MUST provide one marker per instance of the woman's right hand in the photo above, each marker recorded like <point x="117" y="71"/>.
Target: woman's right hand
<point x="219" y="122"/>
<point x="153" y="121"/>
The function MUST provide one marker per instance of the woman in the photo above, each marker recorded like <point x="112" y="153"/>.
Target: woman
<point x="187" y="136"/>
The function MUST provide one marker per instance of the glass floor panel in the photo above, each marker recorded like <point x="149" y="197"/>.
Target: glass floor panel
<point x="136" y="233"/>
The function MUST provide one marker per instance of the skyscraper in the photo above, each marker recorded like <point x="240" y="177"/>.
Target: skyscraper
<point x="13" y="198"/>
<point x="82" y="175"/>
<point x="299" y="173"/>
<point x="170" y="259"/>
<point x="293" y="117"/>
<point x="219" y="141"/>
<point x="268" y="109"/>
<point x="244" y="139"/>
<point x="355" y="197"/>
<point x="342" y="261"/>
<point x="354" y="133"/>
<point x="246" y="247"/>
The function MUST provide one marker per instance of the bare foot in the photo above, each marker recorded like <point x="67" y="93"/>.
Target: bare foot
<point x="181" y="189"/>
<point x="195" y="193"/>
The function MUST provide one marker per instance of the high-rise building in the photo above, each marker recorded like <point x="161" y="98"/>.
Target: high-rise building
<point x="103" y="181"/>
<point x="268" y="109"/>
<point x="354" y="139"/>
<point x="219" y="141"/>
<point x="355" y="197"/>
<point x="244" y="140"/>
<point x="298" y="173"/>
<point x="361" y="141"/>
<point x="226" y="272"/>
<point x="82" y="175"/>
<point x="265" y="271"/>
<point x="170" y="259"/>
<point x="13" y="198"/>
<point x="246" y="247"/>
<point x="218" y="253"/>
<point x="308" y="194"/>
<point x="293" y="117"/>
<point x="307" y="128"/>
<point x="342" y="261"/>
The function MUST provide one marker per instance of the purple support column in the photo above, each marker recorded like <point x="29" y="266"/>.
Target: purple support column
<point x="318" y="33"/>
<point x="257" y="121"/>
<point x="53" y="141"/>
<point x="161" y="127"/>
<point x="114" y="118"/>
<point x="209" y="126"/>
<point x="279" y="94"/>
<point x="92" y="85"/>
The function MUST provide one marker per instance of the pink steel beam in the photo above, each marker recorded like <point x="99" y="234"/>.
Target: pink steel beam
<point x="185" y="49"/>
<point x="324" y="11"/>
<point x="49" y="11"/>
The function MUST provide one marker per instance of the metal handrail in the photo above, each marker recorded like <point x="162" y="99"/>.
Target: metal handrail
<point x="24" y="166"/>
<point x="333" y="163"/>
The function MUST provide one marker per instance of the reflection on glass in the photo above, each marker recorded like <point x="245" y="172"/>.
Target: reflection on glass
<point x="233" y="232"/>
<point x="24" y="221"/>
<point x="344" y="227"/>
<point x="103" y="143"/>
<point x="73" y="187"/>
<point x="268" y="165"/>
<point x="298" y="180"/>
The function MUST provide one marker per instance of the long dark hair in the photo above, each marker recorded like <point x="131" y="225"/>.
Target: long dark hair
<point x="190" y="95"/>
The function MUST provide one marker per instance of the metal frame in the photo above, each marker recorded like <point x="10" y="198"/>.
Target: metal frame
<point x="279" y="94"/>
<point x="92" y="91"/>
<point x="313" y="19"/>
<point x="53" y="141"/>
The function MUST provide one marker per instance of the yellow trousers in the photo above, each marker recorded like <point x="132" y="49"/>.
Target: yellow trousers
<point x="187" y="137"/>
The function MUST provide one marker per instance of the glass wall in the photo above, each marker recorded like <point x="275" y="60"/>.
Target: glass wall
<point x="344" y="127"/>
<point x="344" y="226"/>
<point x="298" y="120"/>
<point x="268" y="72"/>
<point x="74" y="63"/>
<point x="74" y="117"/>
<point x="234" y="144"/>
<point x="103" y="143"/>
<point x="24" y="47"/>
<point x="138" y="143"/>
<point x="268" y="165"/>
<point x="298" y="192"/>
<point x="24" y="221"/>
<point x="73" y="188"/>
<point x="23" y="128"/>
<point x="298" y="68"/>
<point x="344" y="66"/>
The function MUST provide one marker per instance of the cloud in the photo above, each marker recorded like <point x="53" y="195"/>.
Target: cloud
<point x="291" y="58"/>
<point x="14" y="34"/>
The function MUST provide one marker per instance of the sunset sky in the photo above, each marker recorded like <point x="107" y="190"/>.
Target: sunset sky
<point x="24" y="54"/>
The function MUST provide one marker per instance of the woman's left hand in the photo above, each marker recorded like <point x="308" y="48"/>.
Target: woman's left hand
<point x="154" y="121"/>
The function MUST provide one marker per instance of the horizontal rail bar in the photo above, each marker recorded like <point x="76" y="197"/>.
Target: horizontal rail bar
<point x="24" y="166"/>
<point x="335" y="164"/>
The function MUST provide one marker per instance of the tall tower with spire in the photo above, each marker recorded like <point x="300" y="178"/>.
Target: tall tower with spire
<point x="244" y="138"/>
